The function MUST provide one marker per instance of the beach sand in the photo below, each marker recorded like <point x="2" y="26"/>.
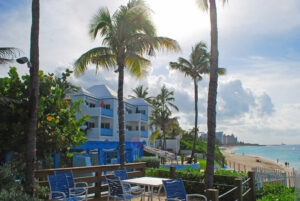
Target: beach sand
<point x="245" y="162"/>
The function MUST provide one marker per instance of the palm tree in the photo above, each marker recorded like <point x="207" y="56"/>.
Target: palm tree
<point x="7" y="54"/>
<point x="140" y="92"/>
<point x="212" y="90"/>
<point x="195" y="67"/>
<point x="163" y="104"/>
<point x="127" y="36"/>
<point x="33" y="98"/>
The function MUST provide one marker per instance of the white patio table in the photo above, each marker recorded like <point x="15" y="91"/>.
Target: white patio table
<point x="151" y="182"/>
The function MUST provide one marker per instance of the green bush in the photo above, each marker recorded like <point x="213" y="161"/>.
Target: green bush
<point x="151" y="162"/>
<point x="11" y="187"/>
<point x="278" y="192"/>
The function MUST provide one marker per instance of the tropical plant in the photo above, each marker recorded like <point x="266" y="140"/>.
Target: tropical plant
<point x="57" y="129"/>
<point x="140" y="92"/>
<point x="33" y="98"/>
<point x="161" y="113"/>
<point x="7" y="54"/>
<point x="127" y="35"/>
<point x="212" y="89"/>
<point x="194" y="67"/>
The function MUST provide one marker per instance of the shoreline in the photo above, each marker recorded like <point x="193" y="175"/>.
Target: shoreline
<point x="245" y="162"/>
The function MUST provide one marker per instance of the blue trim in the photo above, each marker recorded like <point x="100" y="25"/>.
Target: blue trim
<point x="106" y="132"/>
<point x="144" y="134"/>
<point x="107" y="112"/>
<point x="144" y="117"/>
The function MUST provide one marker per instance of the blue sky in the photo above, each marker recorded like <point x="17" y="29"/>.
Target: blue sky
<point x="259" y="44"/>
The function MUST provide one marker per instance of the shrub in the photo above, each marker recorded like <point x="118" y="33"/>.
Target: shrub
<point x="276" y="192"/>
<point x="151" y="162"/>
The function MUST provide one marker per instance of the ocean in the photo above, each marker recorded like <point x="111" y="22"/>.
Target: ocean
<point x="282" y="153"/>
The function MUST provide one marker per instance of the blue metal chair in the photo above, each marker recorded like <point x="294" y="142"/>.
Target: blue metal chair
<point x="175" y="191"/>
<point x="116" y="189"/>
<point x="122" y="174"/>
<point x="74" y="187"/>
<point x="59" y="188"/>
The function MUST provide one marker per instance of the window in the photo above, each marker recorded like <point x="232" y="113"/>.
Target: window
<point x="107" y="106"/>
<point x="137" y="128"/>
<point x="90" y="124"/>
<point x="92" y="105"/>
<point x="105" y="125"/>
<point x="143" y="128"/>
<point x="129" y="128"/>
<point x="143" y="111"/>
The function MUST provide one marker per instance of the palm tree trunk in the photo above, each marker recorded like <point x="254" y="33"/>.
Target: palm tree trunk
<point x="121" y="116"/>
<point x="165" y="141"/>
<point x="196" y="120"/>
<point x="212" y="97"/>
<point x="33" y="98"/>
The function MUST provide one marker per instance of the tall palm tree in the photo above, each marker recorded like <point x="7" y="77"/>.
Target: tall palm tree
<point x="163" y="104"/>
<point x="7" y="54"/>
<point x="33" y="98"/>
<point x="140" y="92"/>
<point x="127" y="35"/>
<point x="194" y="68"/>
<point x="212" y="90"/>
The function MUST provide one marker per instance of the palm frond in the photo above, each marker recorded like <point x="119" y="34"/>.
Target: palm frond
<point x="100" y="56"/>
<point x="100" y="22"/>
<point x="137" y="65"/>
<point x="203" y="4"/>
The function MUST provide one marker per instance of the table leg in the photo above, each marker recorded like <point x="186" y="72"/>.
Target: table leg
<point x="151" y="193"/>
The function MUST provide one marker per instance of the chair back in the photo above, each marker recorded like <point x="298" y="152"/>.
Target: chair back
<point x="69" y="176"/>
<point x="122" y="174"/>
<point x="175" y="189"/>
<point x="115" y="188"/>
<point x="58" y="183"/>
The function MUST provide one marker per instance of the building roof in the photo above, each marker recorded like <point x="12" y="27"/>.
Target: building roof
<point x="102" y="91"/>
<point x="137" y="101"/>
<point x="83" y="91"/>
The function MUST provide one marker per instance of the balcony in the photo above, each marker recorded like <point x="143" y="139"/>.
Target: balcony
<point x="107" y="112"/>
<point x="144" y="134"/>
<point x="136" y="117"/>
<point x="144" y="117"/>
<point x="106" y="132"/>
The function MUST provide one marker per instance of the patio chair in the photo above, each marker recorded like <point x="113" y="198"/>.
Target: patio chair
<point x="74" y="187"/>
<point x="122" y="174"/>
<point x="59" y="189"/>
<point x="116" y="189"/>
<point x="175" y="191"/>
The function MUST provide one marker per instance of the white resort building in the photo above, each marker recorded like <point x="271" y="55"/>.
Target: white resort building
<point x="101" y="104"/>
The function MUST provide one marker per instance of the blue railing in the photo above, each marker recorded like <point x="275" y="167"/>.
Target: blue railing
<point x="107" y="112"/>
<point x="144" y="134"/>
<point x="106" y="132"/>
<point x="144" y="117"/>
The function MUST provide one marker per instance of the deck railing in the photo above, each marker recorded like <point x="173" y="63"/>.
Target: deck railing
<point x="99" y="189"/>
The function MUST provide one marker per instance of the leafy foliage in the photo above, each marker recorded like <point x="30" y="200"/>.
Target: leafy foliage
<point x="57" y="129"/>
<point x="151" y="162"/>
<point x="278" y="192"/>
<point x="186" y="142"/>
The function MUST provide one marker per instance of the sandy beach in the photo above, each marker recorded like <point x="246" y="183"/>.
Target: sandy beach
<point x="245" y="162"/>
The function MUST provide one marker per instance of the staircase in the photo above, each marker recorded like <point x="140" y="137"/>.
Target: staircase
<point x="159" y="152"/>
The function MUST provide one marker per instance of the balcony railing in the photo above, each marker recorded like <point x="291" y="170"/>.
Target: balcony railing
<point x="106" y="132"/>
<point x="144" y="134"/>
<point x="107" y="112"/>
<point x="144" y="117"/>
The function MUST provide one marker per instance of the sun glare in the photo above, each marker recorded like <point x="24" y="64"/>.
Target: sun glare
<point x="178" y="19"/>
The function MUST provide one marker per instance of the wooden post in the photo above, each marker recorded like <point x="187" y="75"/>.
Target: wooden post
<point x="98" y="183"/>
<point x="172" y="172"/>
<point x="212" y="194"/>
<point x="239" y="191"/>
<point x="252" y="186"/>
<point x="182" y="159"/>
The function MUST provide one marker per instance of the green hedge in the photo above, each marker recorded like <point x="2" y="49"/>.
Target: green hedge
<point x="151" y="162"/>
<point x="194" y="179"/>
<point x="276" y="192"/>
